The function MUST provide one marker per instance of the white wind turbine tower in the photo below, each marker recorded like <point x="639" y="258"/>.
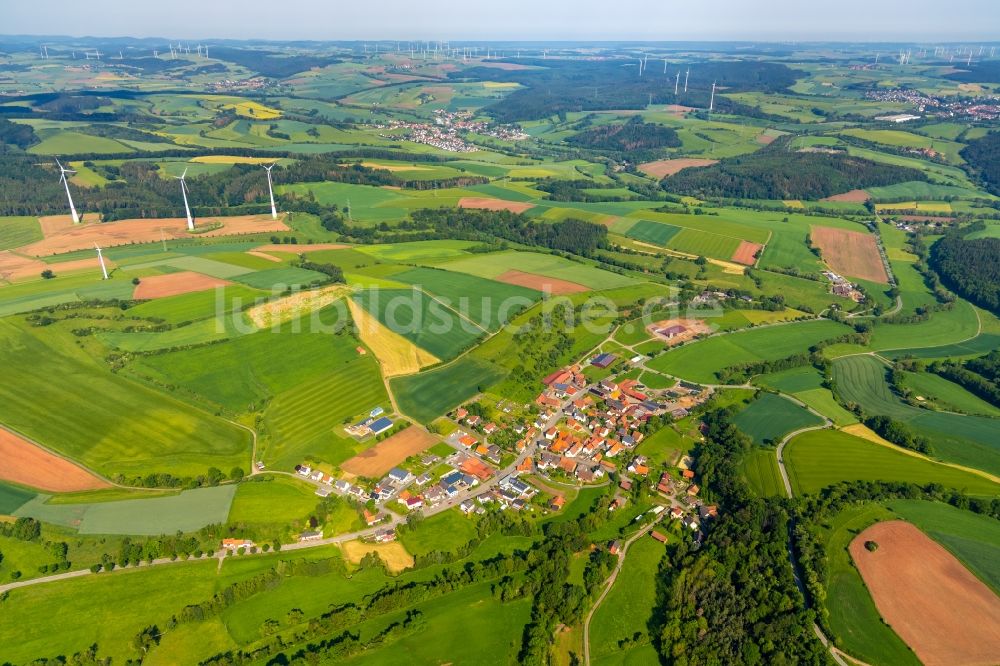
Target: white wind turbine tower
<point x="686" y="75"/>
<point x="62" y="176"/>
<point x="187" y="209"/>
<point x="677" y="82"/>
<point x="100" y="258"/>
<point x="711" y="102"/>
<point x="270" y="191"/>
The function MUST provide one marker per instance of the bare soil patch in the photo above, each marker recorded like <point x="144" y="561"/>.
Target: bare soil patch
<point x="747" y="253"/>
<point x="392" y="553"/>
<point x="850" y="253"/>
<point x="53" y="224"/>
<point x="14" y="267"/>
<point x="172" y="284"/>
<point x="678" y="110"/>
<point x="676" y="331"/>
<point x="947" y="615"/>
<point x="494" y="204"/>
<point x="541" y="282"/>
<point x="30" y="465"/>
<point x="664" y="168"/>
<point x="124" y="232"/>
<point x="766" y="139"/>
<point x="385" y="455"/>
<point x="854" y="196"/>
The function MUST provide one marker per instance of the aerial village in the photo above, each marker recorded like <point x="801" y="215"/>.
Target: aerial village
<point x="577" y="432"/>
<point x="448" y="130"/>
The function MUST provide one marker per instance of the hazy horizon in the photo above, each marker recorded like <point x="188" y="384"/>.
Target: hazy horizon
<point x="556" y="20"/>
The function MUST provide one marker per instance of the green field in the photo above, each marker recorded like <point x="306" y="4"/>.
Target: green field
<point x="12" y="497"/>
<point x="652" y="232"/>
<point x="444" y="533"/>
<point x="821" y="458"/>
<point x="493" y="265"/>
<point x="947" y="395"/>
<point x="628" y="608"/>
<point x="699" y="361"/>
<point x="770" y="417"/>
<point x="187" y="511"/>
<point x="425" y="321"/>
<point x="488" y="303"/>
<point x="704" y="244"/>
<point x="429" y="394"/>
<point x="18" y="231"/>
<point x="272" y="499"/>
<point x="967" y="440"/>
<point x="760" y="469"/>
<point x="105" y="420"/>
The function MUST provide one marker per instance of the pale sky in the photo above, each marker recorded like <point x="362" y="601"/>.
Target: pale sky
<point x="661" y="20"/>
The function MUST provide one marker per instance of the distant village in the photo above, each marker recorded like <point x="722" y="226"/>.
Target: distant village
<point x="980" y="108"/>
<point x="446" y="133"/>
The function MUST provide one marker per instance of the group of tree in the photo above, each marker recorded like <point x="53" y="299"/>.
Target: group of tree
<point x="983" y="155"/>
<point x="969" y="267"/>
<point x="571" y="235"/>
<point x="778" y="172"/>
<point x="980" y="376"/>
<point x="560" y="86"/>
<point x="636" y="139"/>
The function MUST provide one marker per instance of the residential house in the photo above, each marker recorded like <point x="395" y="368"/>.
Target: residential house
<point x="232" y="545"/>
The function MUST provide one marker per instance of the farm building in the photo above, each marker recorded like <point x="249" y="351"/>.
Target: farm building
<point x="670" y="331"/>
<point x="380" y="425"/>
<point x="603" y="360"/>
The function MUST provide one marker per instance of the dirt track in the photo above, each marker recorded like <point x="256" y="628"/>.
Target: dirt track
<point x="851" y="253"/>
<point x="385" y="455"/>
<point x="29" y="465"/>
<point x="948" y="616"/>
<point x="541" y="283"/>
<point x="494" y="204"/>
<point x="172" y="284"/>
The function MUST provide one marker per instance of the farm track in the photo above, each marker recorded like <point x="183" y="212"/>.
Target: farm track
<point x="610" y="583"/>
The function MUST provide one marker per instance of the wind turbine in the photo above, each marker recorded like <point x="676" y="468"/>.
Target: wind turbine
<point x="270" y="191"/>
<point x="62" y="176"/>
<point x="100" y="258"/>
<point x="187" y="209"/>
<point x="711" y="102"/>
<point x="677" y="82"/>
<point x="686" y="75"/>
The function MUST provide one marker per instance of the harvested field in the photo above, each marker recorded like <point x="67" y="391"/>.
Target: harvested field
<point x="664" y="168"/>
<point x="678" y="111"/>
<point x="676" y="331"/>
<point x="540" y="282"/>
<point x="124" y="232"/>
<point x="264" y="255"/>
<point x="943" y="612"/>
<point x="765" y="138"/>
<point x="30" y="465"/>
<point x="392" y="553"/>
<point x="14" y="267"/>
<point x="396" y="355"/>
<point x="494" y="204"/>
<point x="854" y="196"/>
<point x="850" y="253"/>
<point x="285" y="309"/>
<point x="747" y="253"/>
<point x="301" y="249"/>
<point x="53" y="224"/>
<point x="379" y="459"/>
<point x="172" y="284"/>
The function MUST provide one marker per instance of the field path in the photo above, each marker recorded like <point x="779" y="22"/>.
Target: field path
<point x="610" y="582"/>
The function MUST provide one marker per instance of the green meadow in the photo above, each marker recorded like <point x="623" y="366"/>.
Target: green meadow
<point x="701" y="360"/>
<point x="821" y="458"/>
